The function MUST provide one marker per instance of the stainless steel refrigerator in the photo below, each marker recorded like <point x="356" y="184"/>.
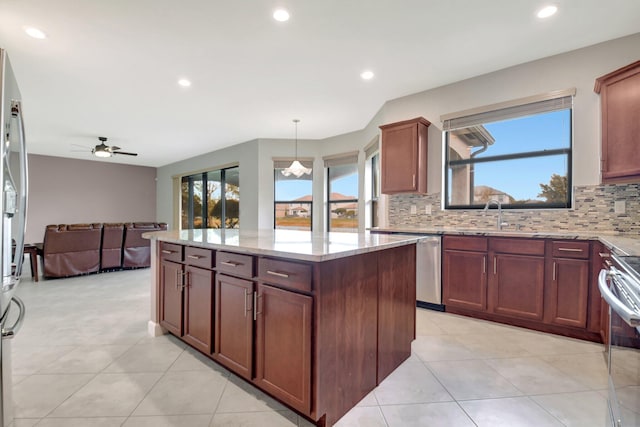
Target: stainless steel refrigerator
<point x="13" y="169"/>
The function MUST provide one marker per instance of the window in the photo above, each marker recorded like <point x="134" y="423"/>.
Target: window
<point x="342" y="197"/>
<point x="519" y="155"/>
<point x="211" y="199"/>
<point x="375" y="189"/>
<point x="293" y="198"/>
<point x="372" y="182"/>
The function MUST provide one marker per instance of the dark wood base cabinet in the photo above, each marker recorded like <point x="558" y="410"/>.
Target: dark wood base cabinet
<point x="317" y="336"/>
<point x="541" y="284"/>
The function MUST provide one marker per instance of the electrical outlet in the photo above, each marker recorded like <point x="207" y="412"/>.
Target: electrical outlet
<point x="427" y="209"/>
<point x="619" y="206"/>
<point x="414" y="210"/>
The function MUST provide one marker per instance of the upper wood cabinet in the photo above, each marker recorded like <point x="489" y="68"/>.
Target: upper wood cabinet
<point x="404" y="157"/>
<point x="620" y="104"/>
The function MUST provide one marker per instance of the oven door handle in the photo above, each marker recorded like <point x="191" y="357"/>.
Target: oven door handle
<point x="632" y="318"/>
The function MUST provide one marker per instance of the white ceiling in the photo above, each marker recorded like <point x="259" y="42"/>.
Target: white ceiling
<point x="109" y="67"/>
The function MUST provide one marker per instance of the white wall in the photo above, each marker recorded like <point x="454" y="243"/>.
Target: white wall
<point x="577" y="69"/>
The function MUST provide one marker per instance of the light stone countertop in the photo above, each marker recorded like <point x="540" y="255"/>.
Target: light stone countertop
<point x="623" y="244"/>
<point x="300" y="245"/>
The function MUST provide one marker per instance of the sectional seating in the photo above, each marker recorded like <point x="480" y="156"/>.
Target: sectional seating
<point x="75" y="249"/>
<point x="136" y="250"/>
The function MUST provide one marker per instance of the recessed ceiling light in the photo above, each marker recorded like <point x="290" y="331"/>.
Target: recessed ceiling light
<point x="281" y="15"/>
<point x="367" y="75"/>
<point x="547" y="11"/>
<point x="184" y="82"/>
<point x="35" y="33"/>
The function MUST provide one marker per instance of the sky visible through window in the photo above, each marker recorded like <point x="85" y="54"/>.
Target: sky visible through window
<point x="293" y="189"/>
<point x="521" y="179"/>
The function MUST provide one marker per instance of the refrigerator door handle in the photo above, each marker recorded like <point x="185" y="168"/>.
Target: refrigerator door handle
<point x="18" y="257"/>
<point x="10" y="332"/>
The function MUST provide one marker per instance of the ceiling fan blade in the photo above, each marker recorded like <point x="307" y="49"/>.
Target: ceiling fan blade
<point x="114" y="148"/>
<point x="125" y="153"/>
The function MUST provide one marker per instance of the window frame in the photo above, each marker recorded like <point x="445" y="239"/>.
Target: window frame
<point x="276" y="202"/>
<point x="335" y="161"/>
<point x="203" y="176"/>
<point x="513" y="110"/>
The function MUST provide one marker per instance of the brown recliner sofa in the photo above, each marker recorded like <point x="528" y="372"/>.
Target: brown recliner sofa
<point x="71" y="250"/>
<point x="112" y="238"/>
<point x="75" y="249"/>
<point x="136" y="251"/>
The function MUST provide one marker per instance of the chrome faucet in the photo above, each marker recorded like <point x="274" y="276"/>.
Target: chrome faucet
<point x="499" y="223"/>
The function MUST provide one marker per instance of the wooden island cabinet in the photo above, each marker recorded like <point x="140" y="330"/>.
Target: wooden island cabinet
<point x="318" y="330"/>
<point x="537" y="283"/>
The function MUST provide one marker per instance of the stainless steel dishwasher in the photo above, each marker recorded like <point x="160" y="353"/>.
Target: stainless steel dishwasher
<point x="428" y="273"/>
<point x="428" y="269"/>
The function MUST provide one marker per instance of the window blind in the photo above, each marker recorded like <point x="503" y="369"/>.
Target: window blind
<point x="341" y="159"/>
<point x="553" y="101"/>
<point x="285" y="163"/>
<point x="372" y="148"/>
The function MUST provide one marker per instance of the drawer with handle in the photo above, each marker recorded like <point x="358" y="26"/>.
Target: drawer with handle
<point x="171" y="252"/>
<point x="570" y="249"/>
<point x="198" y="257"/>
<point x="293" y="275"/>
<point x="234" y="264"/>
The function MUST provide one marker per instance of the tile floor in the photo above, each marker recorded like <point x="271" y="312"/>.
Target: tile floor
<point x="83" y="359"/>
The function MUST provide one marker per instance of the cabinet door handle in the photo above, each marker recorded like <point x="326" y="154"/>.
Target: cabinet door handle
<point x="275" y="273"/>
<point x="414" y="180"/>
<point x="164" y="251"/>
<point x="484" y="264"/>
<point x="604" y="255"/>
<point x="255" y="305"/>
<point x="553" y="277"/>
<point x="194" y="256"/>
<point x="569" y="250"/>
<point x="495" y="265"/>
<point x="229" y="264"/>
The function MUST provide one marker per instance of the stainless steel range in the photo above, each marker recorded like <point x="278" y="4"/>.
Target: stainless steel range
<point x="619" y="285"/>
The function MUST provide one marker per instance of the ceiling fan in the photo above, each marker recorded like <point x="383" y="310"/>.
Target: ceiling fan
<point x="104" y="150"/>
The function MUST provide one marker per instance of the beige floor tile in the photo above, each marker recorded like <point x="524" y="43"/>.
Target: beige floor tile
<point x="426" y="415"/>
<point x="492" y="346"/>
<point x="86" y="359"/>
<point x="472" y="379"/>
<point x="28" y="360"/>
<point x="181" y="393"/>
<point x="508" y="412"/>
<point x="582" y="409"/>
<point x="369" y="400"/>
<point x="82" y="422"/>
<point x="25" y="422"/>
<point x="539" y="343"/>
<point x="589" y="369"/>
<point x="425" y="325"/>
<point x="38" y="395"/>
<point x="255" y="419"/>
<point x="238" y="396"/>
<point x="192" y="360"/>
<point x="366" y="416"/>
<point x="169" y="421"/>
<point x="108" y="395"/>
<point x="411" y="383"/>
<point x="440" y="347"/>
<point x="456" y="325"/>
<point x="532" y="375"/>
<point x="147" y="357"/>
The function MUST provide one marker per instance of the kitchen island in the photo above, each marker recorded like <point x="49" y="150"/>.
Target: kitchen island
<point x="315" y="320"/>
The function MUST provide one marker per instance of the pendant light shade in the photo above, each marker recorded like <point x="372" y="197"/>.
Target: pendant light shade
<point x="296" y="169"/>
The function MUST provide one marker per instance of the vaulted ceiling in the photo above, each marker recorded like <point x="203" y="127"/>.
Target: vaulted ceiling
<point x="110" y="68"/>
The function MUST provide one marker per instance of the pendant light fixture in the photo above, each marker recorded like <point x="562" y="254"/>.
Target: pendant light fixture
<point x="296" y="168"/>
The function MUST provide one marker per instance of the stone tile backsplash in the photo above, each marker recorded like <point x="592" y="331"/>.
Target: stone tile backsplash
<point x="594" y="210"/>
